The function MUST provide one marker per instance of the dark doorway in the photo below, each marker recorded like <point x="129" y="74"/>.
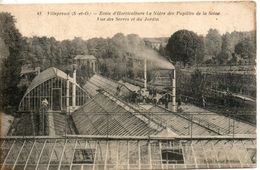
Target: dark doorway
<point x="56" y="99"/>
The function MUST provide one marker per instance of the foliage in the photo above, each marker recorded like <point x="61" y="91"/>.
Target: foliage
<point x="197" y="84"/>
<point x="46" y="52"/>
<point x="230" y="48"/>
<point x="246" y="49"/>
<point x="118" y="56"/>
<point x="10" y="94"/>
<point x="213" y="42"/>
<point x="241" y="43"/>
<point x="114" y="53"/>
<point x="186" y="46"/>
<point x="223" y="57"/>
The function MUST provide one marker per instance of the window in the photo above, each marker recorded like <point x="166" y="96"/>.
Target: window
<point x="84" y="156"/>
<point x="172" y="156"/>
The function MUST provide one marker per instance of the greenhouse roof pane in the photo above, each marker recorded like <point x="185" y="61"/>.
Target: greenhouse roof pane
<point x="132" y="153"/>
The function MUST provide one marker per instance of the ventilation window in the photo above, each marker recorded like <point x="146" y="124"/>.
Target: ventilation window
<point x="84" y="156"/>
<point x="172" y="156"/>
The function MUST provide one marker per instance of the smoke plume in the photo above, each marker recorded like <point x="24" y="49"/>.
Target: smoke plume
<point x="135" y="46"/>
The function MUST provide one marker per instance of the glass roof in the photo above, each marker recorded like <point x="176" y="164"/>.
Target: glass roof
<point x="46" y="75"/>
<point x="91" y="153"/>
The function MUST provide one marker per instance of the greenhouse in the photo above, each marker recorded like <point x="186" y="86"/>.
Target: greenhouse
<point x="55" y="86"/>
<point x="80" y="153"/>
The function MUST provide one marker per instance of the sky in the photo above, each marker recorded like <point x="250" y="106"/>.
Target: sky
<point x="33" y="20"/>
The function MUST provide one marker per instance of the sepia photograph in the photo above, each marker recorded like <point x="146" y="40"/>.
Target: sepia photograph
<point x="128" y="86"/>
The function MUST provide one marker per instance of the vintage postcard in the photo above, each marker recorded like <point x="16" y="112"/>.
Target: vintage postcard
<point x="128" y="86"/>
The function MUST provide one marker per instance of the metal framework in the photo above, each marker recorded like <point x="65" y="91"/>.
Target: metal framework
<point x="99" y="82"/>
<point x="45" y="85"/>
<point x="126" y="153"/>
<point x="199" y="123"/>
<point x="121" y="136"/>
<point x="106" y="115"/>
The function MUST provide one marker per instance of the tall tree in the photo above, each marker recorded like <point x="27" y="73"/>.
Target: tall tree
<point x="11" y="66"/>
<point x="246" y="49"/>
<point x="226" y="49"/>
<point x="186" y="46"/>
<point x="213" y="42"/>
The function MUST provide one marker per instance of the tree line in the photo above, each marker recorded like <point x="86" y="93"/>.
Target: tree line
<point x="185" y="47"/>
<point x="113" y="53"/>
<point x="235" y="48"/>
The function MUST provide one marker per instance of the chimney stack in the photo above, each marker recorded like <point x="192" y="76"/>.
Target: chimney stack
<point x="145" y="73"/>
<point x="68" y="93"/>
<point x="74" y="88"/>
<point x="174" y="90"/>
<point x="94" y="66"/>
